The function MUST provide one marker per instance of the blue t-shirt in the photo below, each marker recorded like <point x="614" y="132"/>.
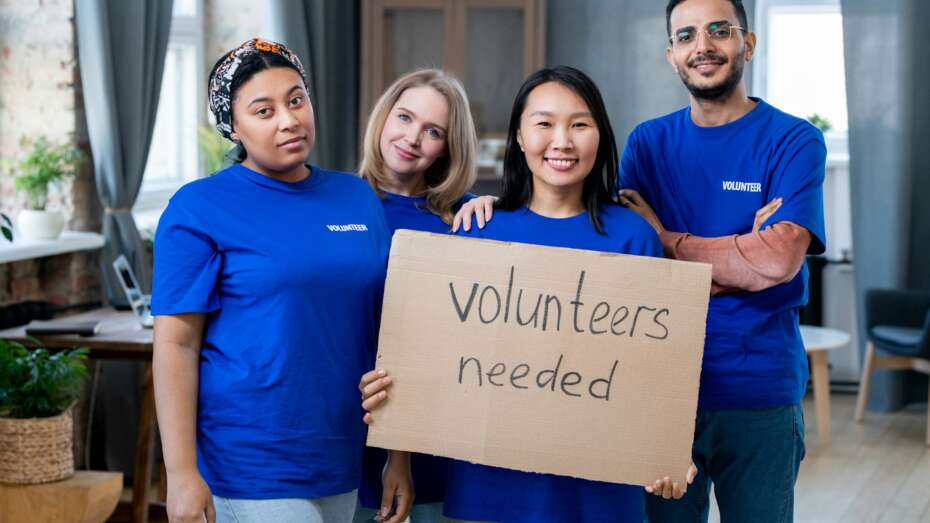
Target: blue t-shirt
<point x="410" y="212"/>
<point x="479" y="492"/>
<point x="709" y="181"/>
<point x="290" y="277"/>
<point x="429" y="472"/>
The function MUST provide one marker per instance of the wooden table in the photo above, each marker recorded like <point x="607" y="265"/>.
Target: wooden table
<point x="818" y="341"/>
<point x="87" y="497"/>
<point x="121" y="337"/>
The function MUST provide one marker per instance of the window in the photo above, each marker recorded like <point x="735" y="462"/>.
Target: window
<point x="174" y="158"/>
<point x="800" y="66"/>
<point x="800" y="69"/>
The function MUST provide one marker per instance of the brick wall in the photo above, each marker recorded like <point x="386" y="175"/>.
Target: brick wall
<point x="39" y="95"/>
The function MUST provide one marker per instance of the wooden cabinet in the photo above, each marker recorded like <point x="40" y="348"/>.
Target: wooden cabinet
<point x="490" y="45"/>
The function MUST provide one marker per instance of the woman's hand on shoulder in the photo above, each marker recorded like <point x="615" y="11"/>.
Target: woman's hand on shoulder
<point x="482" y="208"/>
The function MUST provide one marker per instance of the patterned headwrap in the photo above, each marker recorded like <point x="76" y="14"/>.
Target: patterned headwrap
<point x="220" y="98"/>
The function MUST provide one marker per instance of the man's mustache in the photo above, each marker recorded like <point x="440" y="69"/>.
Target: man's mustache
<point x="708" y="58"/>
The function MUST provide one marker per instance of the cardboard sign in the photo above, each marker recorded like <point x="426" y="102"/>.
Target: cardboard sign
<point x="541" y="359"/>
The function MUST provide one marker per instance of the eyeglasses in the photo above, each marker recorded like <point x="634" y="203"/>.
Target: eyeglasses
<point x="716" y="32"/>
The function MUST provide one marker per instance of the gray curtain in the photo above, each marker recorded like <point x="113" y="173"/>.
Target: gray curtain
<point x="121" y="53"/>
<point x="887" y="72"/>
<point x="325" y="35"/>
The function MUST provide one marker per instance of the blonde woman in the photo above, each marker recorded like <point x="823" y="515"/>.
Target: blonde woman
<point x="419" y="150"/>
<point x="419" y="156"/>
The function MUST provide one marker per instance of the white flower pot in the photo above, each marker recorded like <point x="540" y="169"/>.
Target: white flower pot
<point x="39" y="225"/>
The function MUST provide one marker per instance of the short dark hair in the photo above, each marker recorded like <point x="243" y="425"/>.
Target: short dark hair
<point x="600" y="184"/>
<point x="737" y="6"/>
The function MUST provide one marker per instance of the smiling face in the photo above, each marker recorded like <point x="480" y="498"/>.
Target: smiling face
<point x="414" y="133"/>
<point x="559" y="138"/>
<point x="273" y="120"/>
<point x="710" y="68"/>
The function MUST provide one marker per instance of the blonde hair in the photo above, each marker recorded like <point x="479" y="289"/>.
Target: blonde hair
<point x="451" y="175"/>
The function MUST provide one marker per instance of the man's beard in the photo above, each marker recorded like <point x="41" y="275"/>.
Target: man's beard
<point x="725" y="87"/>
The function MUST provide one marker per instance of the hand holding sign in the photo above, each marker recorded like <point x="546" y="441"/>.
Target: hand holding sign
<point x="372" y="387"/>
<point x="374" y="384"/>
<point x="669" y="489"/>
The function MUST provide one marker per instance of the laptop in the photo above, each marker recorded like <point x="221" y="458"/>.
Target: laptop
<point x="140" y="303"/>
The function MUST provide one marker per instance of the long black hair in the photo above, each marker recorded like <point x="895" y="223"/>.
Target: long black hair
<point x="600" y="185"/>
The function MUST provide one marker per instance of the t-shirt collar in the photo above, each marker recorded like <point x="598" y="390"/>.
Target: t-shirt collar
<point x="747" y="119"/>
<point x="266" y="181"/>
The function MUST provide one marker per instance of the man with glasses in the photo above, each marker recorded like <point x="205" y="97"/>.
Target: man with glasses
<point x="732" y="181"/>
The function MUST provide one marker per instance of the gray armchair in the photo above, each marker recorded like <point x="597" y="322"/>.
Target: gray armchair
<point x="898" y="323"/>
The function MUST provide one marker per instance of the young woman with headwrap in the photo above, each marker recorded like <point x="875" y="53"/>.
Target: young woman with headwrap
<point x="267" y="288"/>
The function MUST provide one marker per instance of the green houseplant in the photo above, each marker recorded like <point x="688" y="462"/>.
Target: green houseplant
<point x="213" y="148"/>
<point x="43" y="165"/>
<point x="820" y="122"/>
<point x="37" y="390"/>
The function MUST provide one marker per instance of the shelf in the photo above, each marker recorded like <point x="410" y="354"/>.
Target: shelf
<point x="69" y="241"/>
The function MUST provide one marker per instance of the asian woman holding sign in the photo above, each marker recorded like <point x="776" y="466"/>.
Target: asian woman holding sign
<point x="559" y="174"/>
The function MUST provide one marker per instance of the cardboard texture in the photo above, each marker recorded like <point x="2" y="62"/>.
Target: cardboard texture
<point x="600" y="382"/>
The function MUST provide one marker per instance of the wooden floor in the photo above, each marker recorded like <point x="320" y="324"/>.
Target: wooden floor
<point x="877" y="471"/>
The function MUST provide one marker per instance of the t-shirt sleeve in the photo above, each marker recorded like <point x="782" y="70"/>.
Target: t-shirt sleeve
<point x="647" y="243"/>
<point x="631" y="167"/>
<point x="644" y="240"/>
<point x="799" y="181"/>
<point x="653" y="245"/>
<point x="187" y="265"/>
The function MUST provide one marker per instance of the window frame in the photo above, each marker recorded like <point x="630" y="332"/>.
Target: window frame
<point x="837" y="141"/>
<point x="153" y="197"/>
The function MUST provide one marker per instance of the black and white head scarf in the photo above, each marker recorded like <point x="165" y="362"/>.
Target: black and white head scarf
<point x="220" y="98"/>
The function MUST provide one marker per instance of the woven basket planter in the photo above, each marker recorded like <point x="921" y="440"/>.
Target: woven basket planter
<point x="36" y="450"/>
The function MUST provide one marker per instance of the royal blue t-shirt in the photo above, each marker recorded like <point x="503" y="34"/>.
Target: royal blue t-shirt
<point x="410" y="212"/>
<point x="709" y="181"/>
<point x="429" y="472"/>
<point x="479" y="492"/>
<point x="290" y="277"/>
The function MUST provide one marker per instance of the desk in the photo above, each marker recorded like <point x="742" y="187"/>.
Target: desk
<point x="818" y="341"/>
<point x="120" y="338"/>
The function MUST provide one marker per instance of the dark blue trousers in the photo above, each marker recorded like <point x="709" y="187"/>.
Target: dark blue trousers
<point x="752" y="458"/>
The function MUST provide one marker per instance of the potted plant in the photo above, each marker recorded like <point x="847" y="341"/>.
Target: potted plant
<point x="37" y="391"/>
<point x="45" y="164"/>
